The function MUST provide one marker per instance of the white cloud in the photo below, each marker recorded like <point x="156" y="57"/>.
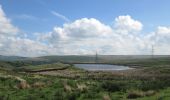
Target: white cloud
<point x="84" y="28"/>
<point x="60" y="16"/>
<point x="160" y="36"/>
<point x="125" y="24"/>
<point x="6" y="28"/>
<point x="22" y="47"/>
<point x="84" y="36"/>
<point x="88" y="35"/>
<point x="11" y="42"/>
<point x="165" y="31"/>
<point x="25" y="16"/>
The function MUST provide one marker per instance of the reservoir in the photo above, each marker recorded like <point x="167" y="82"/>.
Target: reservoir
<point x="102" y="67"/>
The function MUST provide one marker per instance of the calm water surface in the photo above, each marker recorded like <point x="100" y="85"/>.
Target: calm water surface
<point x="102" y="67"/>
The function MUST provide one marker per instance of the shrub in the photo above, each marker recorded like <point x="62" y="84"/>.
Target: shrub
<point x="112" y="86"/>
<point x="2" y="97"/>
<point x="73" y="95"/>
<point x="59" y="94"/>
<point x="90" y="94"/>
<point x="151" y="85"/>
<point x="135" y="94"/>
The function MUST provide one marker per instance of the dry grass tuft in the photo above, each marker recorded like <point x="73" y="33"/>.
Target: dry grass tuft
<point x="23" y="85"/>
<point x="106" y="97"/>
<point x="81" y="87"/>
<point x="67" y="88"/>
<point x="150" y="93"/>
<point x="38" y="85"/>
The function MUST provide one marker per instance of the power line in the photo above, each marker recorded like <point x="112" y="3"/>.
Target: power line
<point x="153" y="50"/>
<point x="96" y="60"/>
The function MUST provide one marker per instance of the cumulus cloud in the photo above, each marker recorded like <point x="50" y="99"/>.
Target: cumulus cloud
<point x="12" y="43"/>
<point x="125" y="24"/>
<point x="23" y="47"/>
<point x="83" y="28"/>
<point x="85" y="36"/>
<point x="88" y="35"/>
<point x="164" y="31"/>
<point x="6" y="28"/>
<point x="160" y="36"/>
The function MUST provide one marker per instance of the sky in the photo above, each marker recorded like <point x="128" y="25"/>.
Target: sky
<point x="82" y="27"/>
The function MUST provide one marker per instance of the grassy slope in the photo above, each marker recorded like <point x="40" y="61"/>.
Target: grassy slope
<point x="47" y="87"/>
<point x="46" y="66"/>
<point x="50" y="87"/>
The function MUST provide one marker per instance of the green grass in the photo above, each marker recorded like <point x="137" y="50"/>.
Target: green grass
<point x="47" y="66"/>
<point x="57" y="88"/>
<point x="151" y="83"/>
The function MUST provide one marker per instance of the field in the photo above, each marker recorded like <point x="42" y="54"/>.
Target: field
<point x="51" y="79"/>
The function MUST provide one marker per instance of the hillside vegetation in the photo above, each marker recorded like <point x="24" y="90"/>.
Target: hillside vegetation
<point x="20" y="80"/>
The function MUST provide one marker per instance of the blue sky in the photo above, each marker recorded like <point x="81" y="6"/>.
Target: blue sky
<point x="148" y="11"/>
<point x="56" y="26"/>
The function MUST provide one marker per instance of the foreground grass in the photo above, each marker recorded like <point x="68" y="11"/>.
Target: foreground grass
<point x="44" y="87"/>
<point x="151" y="82"/>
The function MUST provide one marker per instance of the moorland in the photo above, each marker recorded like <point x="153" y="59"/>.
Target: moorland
<point x="56" y="78"/>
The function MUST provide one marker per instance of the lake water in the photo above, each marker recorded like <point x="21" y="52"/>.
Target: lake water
<point x="102" y="67"/>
